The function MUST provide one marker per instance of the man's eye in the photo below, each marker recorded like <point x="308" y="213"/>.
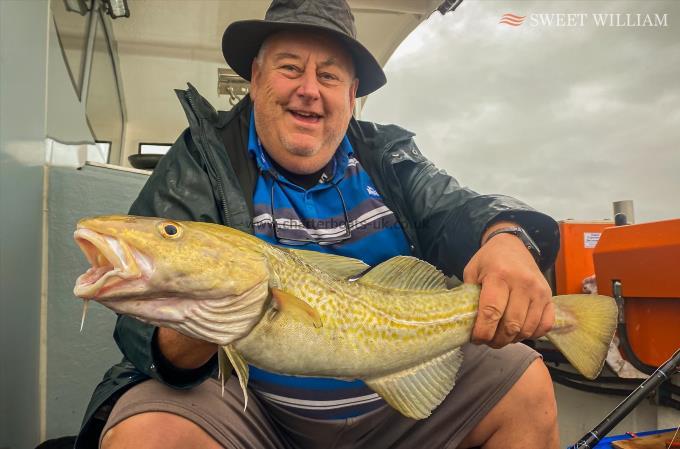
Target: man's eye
<point x="290" y="68"/>
<point x="328" y="76"/>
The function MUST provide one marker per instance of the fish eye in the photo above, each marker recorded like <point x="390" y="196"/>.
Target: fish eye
<point x="169" y="230"/>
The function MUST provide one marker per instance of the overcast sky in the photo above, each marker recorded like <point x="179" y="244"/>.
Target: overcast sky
<point x="568" y="119"/>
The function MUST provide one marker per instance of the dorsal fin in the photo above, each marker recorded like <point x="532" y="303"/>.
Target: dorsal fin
<point x="339" y="266"/>
<point x="407" y="273"/>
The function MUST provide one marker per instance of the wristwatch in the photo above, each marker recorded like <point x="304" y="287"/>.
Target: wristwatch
<point x="523" y="236"/>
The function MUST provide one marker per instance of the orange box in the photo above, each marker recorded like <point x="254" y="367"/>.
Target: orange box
<point x="575" y="259"/>
<point x="645" y="258"/>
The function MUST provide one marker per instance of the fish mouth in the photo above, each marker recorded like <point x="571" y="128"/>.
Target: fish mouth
<point x="114" y="264"/>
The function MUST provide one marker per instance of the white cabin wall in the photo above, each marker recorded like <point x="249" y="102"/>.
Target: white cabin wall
<point x="23" y="84"/>
<point x="158" y="116"/>
<point x="73" y="362"/>
<point x="38" y="100"/>
<point x="66" y="121"/>
<point x="76" y="361"/>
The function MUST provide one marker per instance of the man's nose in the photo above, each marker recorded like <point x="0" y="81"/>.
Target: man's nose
<point x="309" y="85"/>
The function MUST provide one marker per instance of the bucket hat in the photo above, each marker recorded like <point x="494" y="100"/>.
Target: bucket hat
<point x="241" y="40"/>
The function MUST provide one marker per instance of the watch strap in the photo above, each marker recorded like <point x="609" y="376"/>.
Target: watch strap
<point x="522" y="235"/>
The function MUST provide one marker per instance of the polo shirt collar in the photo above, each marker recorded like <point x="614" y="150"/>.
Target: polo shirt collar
<point x="264" y="164"/>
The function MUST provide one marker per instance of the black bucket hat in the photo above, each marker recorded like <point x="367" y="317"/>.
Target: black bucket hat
<point x="242" y="40"/>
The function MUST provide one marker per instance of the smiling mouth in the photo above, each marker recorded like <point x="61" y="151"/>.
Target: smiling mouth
<point x="305" y="116"/>
<point x="113" y="262"/>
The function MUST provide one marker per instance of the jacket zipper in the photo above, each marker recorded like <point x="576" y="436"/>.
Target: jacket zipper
<point x="211" y="163"/>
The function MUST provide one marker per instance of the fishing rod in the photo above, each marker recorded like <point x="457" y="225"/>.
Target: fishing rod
<point x="663" y="373"/>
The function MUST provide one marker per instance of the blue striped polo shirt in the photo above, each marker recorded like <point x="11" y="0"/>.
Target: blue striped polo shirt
<point x="317" y="214"/>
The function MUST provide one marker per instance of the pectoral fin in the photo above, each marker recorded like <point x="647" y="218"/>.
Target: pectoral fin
<point x="288" y="303"/>
<point x="241" y="368"/>
<point x="417" y="391"/>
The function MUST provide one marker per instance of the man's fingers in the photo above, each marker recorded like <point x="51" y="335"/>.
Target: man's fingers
<point x="547" y="321"/>
<point x="513" y="320"/>
<point x="531" y="321"/>
<point x="493" y="299"/>
<point x="471" y="272"/>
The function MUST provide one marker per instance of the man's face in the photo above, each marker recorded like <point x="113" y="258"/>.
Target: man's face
<point x="303" y="90"/>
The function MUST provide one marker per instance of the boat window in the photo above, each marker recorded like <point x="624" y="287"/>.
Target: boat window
<point x="103" y="106"/>
<point x="99" y="152"/>
<point x="154" y="148"/>
<point x="72" y="20"/>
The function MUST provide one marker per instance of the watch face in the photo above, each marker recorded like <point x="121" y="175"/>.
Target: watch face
<point x="529" y="243"/>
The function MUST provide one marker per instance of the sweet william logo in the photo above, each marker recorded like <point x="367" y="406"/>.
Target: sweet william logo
<point x="569" y="20"/>
<point x="512" y="19"/>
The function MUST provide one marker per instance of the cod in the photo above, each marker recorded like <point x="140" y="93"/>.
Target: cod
<point x="395" y="326"/>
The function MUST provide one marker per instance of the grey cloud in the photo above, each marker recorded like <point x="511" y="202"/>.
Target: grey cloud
<point x="568" y="120"/>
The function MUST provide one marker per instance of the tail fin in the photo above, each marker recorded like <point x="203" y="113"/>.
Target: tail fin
<point x="584" y="327"/>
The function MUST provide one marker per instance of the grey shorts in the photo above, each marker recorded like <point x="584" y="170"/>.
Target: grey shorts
<point x="486" y="375"/>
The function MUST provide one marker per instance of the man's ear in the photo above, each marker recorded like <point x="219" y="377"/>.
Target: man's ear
<point x="254" y="72"/>
<point x="353" y="93"/>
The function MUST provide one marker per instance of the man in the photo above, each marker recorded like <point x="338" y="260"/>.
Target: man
<point x="295" y="155"/>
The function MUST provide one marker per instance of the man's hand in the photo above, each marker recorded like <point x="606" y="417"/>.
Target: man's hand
<point x="514" y="303"/>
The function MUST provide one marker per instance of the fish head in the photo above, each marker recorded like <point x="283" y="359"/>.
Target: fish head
<point x="163" y="271"/>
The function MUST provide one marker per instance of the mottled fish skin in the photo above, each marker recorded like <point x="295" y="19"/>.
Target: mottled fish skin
<point x="366" y="331"/>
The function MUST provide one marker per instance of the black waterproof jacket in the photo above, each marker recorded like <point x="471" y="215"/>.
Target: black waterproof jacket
<point x="208" y="176"/>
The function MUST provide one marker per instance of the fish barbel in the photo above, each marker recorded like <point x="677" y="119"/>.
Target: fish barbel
<point x="395" y="326"/>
